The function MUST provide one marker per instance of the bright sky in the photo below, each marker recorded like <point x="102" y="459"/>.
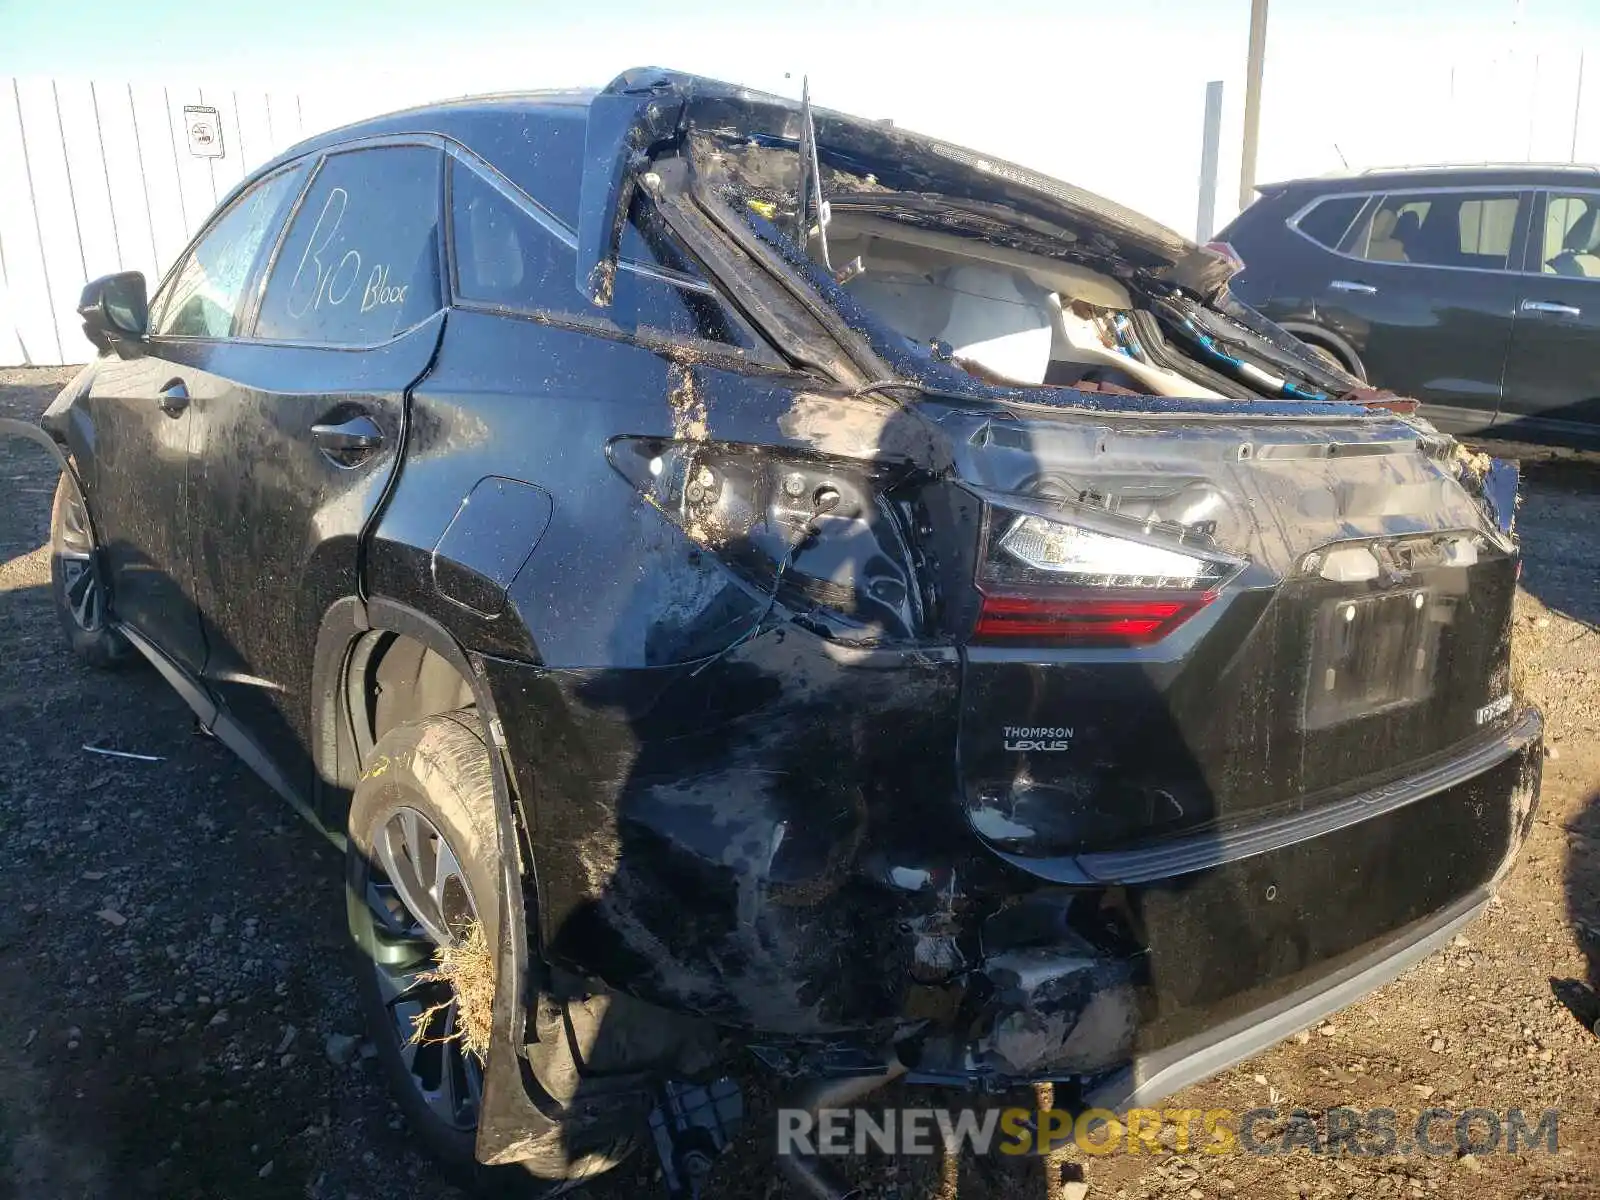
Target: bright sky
<point x="1107" y="95"/>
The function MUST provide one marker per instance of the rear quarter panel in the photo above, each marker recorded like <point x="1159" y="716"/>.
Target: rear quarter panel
<point x="657" y="755"/>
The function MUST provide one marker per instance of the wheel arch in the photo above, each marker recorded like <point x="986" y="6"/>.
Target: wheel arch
<point x="350" y="630"/>
<point x="354" y="641"/>
<point x="1321" y="335"/>
<point x="12" y="427"/>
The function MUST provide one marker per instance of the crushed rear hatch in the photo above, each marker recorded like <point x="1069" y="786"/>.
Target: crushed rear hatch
<point x="1199" y="579"/>
<point x="1356" y="628"/>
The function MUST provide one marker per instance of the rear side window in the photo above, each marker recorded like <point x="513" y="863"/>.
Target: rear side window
<point x="512" y="253"/>
<point x="203" y="298"/>
<point x="1327" y="221"/>
<point x="360" y="262"/>
<point x="508" y="253"/>
<point x="1571" y="244"/>
<point x="1443" y="229"/>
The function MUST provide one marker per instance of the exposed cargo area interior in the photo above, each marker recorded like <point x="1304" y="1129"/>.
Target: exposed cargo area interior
<point x="1006" y="315"/>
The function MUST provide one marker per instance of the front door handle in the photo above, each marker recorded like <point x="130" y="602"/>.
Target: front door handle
<point x="1552" y="308"/>
<point x="173" y="399"/>
<point x="1351" y="285"/>
<point x="348" y="443"/>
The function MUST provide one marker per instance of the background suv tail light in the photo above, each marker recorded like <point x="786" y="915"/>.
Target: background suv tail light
<point x="1228" y="252"/>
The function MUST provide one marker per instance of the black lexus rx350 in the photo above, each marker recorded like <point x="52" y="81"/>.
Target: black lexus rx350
<point x="757" y="579"/>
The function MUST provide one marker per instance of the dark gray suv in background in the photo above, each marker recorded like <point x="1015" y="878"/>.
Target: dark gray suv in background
<point x="1474" y="289"/>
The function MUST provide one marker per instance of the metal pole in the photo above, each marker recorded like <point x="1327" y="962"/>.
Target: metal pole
<point x="1210" y="137"/>
<point x="72" y="191"/>
<point x="1252" y="101"/>
<point x="1577" y="104"/>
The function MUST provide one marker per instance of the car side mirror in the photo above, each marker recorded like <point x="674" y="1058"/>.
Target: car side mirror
<point x="114" y="308"/>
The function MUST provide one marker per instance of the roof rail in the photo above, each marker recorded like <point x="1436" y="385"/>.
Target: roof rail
<point x="1589" y="168"/>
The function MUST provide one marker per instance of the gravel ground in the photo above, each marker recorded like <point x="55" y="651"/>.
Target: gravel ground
<point x="177" y="1020"/>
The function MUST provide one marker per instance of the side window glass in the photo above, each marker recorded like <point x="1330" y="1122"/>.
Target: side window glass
<point x="1448" y="229"/>
<point x="360" y="262"/>
<point x="1487" y="225"/>
<point x="504" y="255"/>
<point x="202" y="299"/>
<point x="507" y="254"/>
<point x="1326" y="221"/>
<point x="1571" y="242"/>
<point x="1390" y="225"/>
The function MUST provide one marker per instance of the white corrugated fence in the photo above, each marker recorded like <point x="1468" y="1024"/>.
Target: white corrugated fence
<point x="98" y="177"/>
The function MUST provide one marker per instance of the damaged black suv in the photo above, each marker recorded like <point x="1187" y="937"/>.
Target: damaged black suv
<point x="738" y="578"/>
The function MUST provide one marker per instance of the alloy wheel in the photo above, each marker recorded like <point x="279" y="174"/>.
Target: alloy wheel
<point x="420" y="901"/>
<point x="85" y="594"/>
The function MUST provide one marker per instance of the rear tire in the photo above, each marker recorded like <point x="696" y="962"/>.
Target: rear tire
<point x="77" y="583"/>
<point x="422" y="863"/>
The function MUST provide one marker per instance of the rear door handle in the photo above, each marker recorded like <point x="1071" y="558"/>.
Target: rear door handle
<point x="350" y="442"/>
<point x="1351" y="285"/>
<point x="173" y="399"/>
<point x="1552" y="308"/>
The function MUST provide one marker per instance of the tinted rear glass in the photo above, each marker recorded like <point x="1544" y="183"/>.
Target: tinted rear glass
<point x="508" y="254"/>
<point x="1327" y="221"/>
<point x="503" y="256"/>
<point x="543" y="156"/>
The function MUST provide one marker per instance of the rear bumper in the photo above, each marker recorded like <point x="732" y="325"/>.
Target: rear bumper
<point x="791" y="862"/>
<point x="1152" y="1077"/>
<point x="1269" y="935"/>
<point x="1314" y="817"/>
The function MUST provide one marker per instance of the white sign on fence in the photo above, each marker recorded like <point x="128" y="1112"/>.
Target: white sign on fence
<point x="204" y="129"/>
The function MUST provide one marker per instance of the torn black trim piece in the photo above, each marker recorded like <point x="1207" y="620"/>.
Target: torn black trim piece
<point x="636" y="111"/>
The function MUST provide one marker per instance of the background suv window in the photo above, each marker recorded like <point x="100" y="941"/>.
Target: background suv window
<point x="1326" y="221"/>
<point x="1571" y="243"/>
<point x="203" y="298"/>
<point x="1442" y="229"/>
<point x="509" y="255"/>
<point x="360" y="263"/>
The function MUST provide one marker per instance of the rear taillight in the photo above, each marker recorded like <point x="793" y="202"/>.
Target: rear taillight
<point x="1089" y="619"/>
<point x="1060" y="582"/>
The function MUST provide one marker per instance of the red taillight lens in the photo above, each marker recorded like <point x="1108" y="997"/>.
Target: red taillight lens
<point x="1059" y="582"/>
<point x="1108" y="618"/>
